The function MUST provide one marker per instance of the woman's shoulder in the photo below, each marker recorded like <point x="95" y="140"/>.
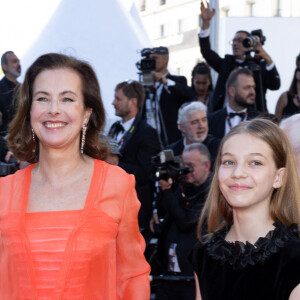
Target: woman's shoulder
<point x="114" y="177"/>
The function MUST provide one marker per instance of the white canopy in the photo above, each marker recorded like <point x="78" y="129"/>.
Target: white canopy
<point x="104" y="33"/>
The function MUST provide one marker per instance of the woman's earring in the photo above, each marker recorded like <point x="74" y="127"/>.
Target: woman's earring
<point x="84" y="127"/>
<point x="33" y="138"/>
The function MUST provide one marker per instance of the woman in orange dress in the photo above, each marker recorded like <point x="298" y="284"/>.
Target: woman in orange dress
<point x="68" y="222"/>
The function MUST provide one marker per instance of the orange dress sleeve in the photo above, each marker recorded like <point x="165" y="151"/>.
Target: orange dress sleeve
<point x="132" y="269"/>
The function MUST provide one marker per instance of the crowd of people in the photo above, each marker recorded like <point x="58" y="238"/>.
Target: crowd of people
<point x="220" y="221"/>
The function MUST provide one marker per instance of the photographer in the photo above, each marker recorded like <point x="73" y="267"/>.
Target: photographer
<point x="165" y="97"/>
<point x="178" y="236"/>
<point x="265" y="72"/>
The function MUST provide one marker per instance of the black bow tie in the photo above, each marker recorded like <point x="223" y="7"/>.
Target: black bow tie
<point x="118" y="128"/>
<point x="240" y="114"/>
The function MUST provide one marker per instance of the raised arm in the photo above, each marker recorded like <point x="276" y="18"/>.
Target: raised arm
<point x="206" y="14"/>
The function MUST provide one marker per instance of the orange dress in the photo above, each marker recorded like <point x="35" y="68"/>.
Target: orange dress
<point x="93" y="253"/>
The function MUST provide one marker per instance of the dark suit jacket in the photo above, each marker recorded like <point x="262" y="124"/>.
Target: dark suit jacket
<point x="216" y="121"/>
<point x="7" y="103"/>
<point x="170" y="102"/>
<point x="136" y="154"/>
<point x="181" y="222"/>
<point x="270" y="79"/>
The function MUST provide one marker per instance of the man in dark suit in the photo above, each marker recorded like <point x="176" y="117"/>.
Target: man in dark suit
<point x="165" y="98"/>
<point x="183" y="208"/>
<point x="192" y="122"/>
<point x="11" y="67"/>
<point x="138" y="142"/>
<point x="240" y="92"/>
<point x="266" y="78"/>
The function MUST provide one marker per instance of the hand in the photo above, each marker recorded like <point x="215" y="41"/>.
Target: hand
<point x="154" y="220"/>
<point x="260" y="51"/>
<point x="159" y="77"/>
<point x="165" y="185"/>
<point x="206" y="14"/>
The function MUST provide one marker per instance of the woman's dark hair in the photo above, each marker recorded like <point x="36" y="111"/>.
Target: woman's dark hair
<point x="20" y="139"/>
<point x="293" y="87"/>
<point x="203" y="69"/>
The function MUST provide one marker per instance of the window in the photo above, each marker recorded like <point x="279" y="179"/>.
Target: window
<point x="162" y="30"/>
<point x="180" y="25"/>
<point x="143" y="5"/>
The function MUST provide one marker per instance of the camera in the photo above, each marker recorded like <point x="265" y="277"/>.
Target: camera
<point x="166" y="165"/>
<point x="254" y="39"/>
<point x="146" y="66"/>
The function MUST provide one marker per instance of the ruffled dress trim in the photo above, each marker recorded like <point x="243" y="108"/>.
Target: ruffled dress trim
<point x="239" y="254"/>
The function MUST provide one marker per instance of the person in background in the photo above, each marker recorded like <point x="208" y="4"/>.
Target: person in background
<point x="70" y="202"/>
<point x="289" y="101"/>
<point x="11" y="67"/>
<point x="202" y="85"/>
<point x="240" y="97"/>
<point x="291" y="128"/>
<point x="252" y="213"/>
<point x="192" y="122"/>
<point x="167" y="94"/>
<point x="266" y="78"/>
<point x="137" y="141"/>
<point x="183" y="208"/>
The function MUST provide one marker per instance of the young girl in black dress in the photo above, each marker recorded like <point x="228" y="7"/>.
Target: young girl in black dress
<point x="252" y="250"/>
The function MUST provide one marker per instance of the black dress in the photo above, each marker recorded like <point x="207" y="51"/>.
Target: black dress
<point x="290" y="108"/>
<point x="267" y="270"/>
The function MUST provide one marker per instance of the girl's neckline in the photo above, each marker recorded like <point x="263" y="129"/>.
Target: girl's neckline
<point x="239" y="254"/>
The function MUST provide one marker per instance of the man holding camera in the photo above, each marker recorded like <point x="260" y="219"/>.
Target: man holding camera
<point x="166" y="96"/>
<point x="183" y="208"/>
<point x="265" y="72"/>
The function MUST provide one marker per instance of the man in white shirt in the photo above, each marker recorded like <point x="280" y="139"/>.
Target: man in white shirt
<point x="137" y="141"/>
<point x="164" y="98"/>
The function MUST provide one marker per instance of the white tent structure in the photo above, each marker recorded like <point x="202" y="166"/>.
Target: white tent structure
<point x="104" y="33"/>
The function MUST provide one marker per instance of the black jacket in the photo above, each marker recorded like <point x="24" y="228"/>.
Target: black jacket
<point x="7" y="103"/>
<point x="136" y="152"/>
<point x="217" y="119"/>
<point x="180" y="223"/>
<point x="170" y="102"/>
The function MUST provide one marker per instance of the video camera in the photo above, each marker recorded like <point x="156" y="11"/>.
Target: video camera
<point x="254" y="39"/>
<point x="146" y="66"/>
<point x="166" y="165"/>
